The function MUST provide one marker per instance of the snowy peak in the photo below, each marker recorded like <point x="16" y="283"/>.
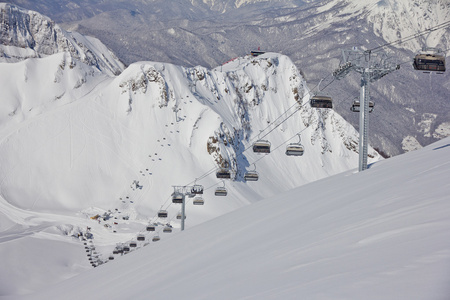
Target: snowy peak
<point x="26" y="34"/>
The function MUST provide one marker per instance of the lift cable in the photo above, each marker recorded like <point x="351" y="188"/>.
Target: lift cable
<point x="412" y="36"/>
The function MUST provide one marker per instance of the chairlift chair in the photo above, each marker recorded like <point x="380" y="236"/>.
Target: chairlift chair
<point x="133" y="244"/>
<point x="198" y="201"/>
<point x="256" y="53"/>
<point x="177" y="198"/>
<point x="321" y="101"/>
<point x="126" y="249"/>
<point x="295" y="149"/>
<point x="156" y="238"/>
<point x="167" y="229"/>
<point x="251" y="176"/>
<point x="223" y="173"/>
<point x="221" y="191"/>
<point x="162" y="214"/>
<point x="430" y="62"/>
<point x="197" y="189"/>
<point x="141" y="237"/>
<point x="356" y="106"/>
<point x="150" y="228"/>
<point x="261" y="146"/>
<point x="179" y="216"/>
<point x="111" y="257"/>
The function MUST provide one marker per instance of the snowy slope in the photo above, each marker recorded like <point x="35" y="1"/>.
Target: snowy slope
<point x="118" y="149"/>
<point x="380" y="234"/>
<point x="36" y="86"/>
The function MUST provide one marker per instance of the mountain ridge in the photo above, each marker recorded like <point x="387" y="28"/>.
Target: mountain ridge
<point x="28" y="34"/>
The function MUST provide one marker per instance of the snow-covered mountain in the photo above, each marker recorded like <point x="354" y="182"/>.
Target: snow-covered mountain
<point x="412" y="109"/>
<point x="82" y="148"/>
<point x="25" y="34"/>
<point x="88" y="157"/>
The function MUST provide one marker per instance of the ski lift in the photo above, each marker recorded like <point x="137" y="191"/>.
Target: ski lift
<point x="321" y="101"/>
<point x="111" y="257"/>
<point x="197" y="189"/>
<point x="198" y="201"/>
<point x="162" y="214"/>
<point x="251" y="175"/>
<point x="156" y="238"/>
<point x="141" y="237"/>
<point x="133" y="244"/>
<point x="221" y="191"/>
<point x="356" y="106"/>
<point x="150" y="228"/>
<point x="223" y="173"/>
<point x="261" y="146"/>
<point x="179" y="216"/>
<point x="167" y="229"/>
<point x="177" y="198"/>
<point x="295" y="149"/>
<point x="256" y="53"/>
<point x="126" y="249"/>
<point x="430" y="62"/>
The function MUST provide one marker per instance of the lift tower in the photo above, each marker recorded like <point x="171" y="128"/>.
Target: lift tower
<point x="179" y="196"/>
<point x="371" y="66"/>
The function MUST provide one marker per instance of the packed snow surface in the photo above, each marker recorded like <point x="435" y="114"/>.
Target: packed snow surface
<point x="378" y="234"/>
